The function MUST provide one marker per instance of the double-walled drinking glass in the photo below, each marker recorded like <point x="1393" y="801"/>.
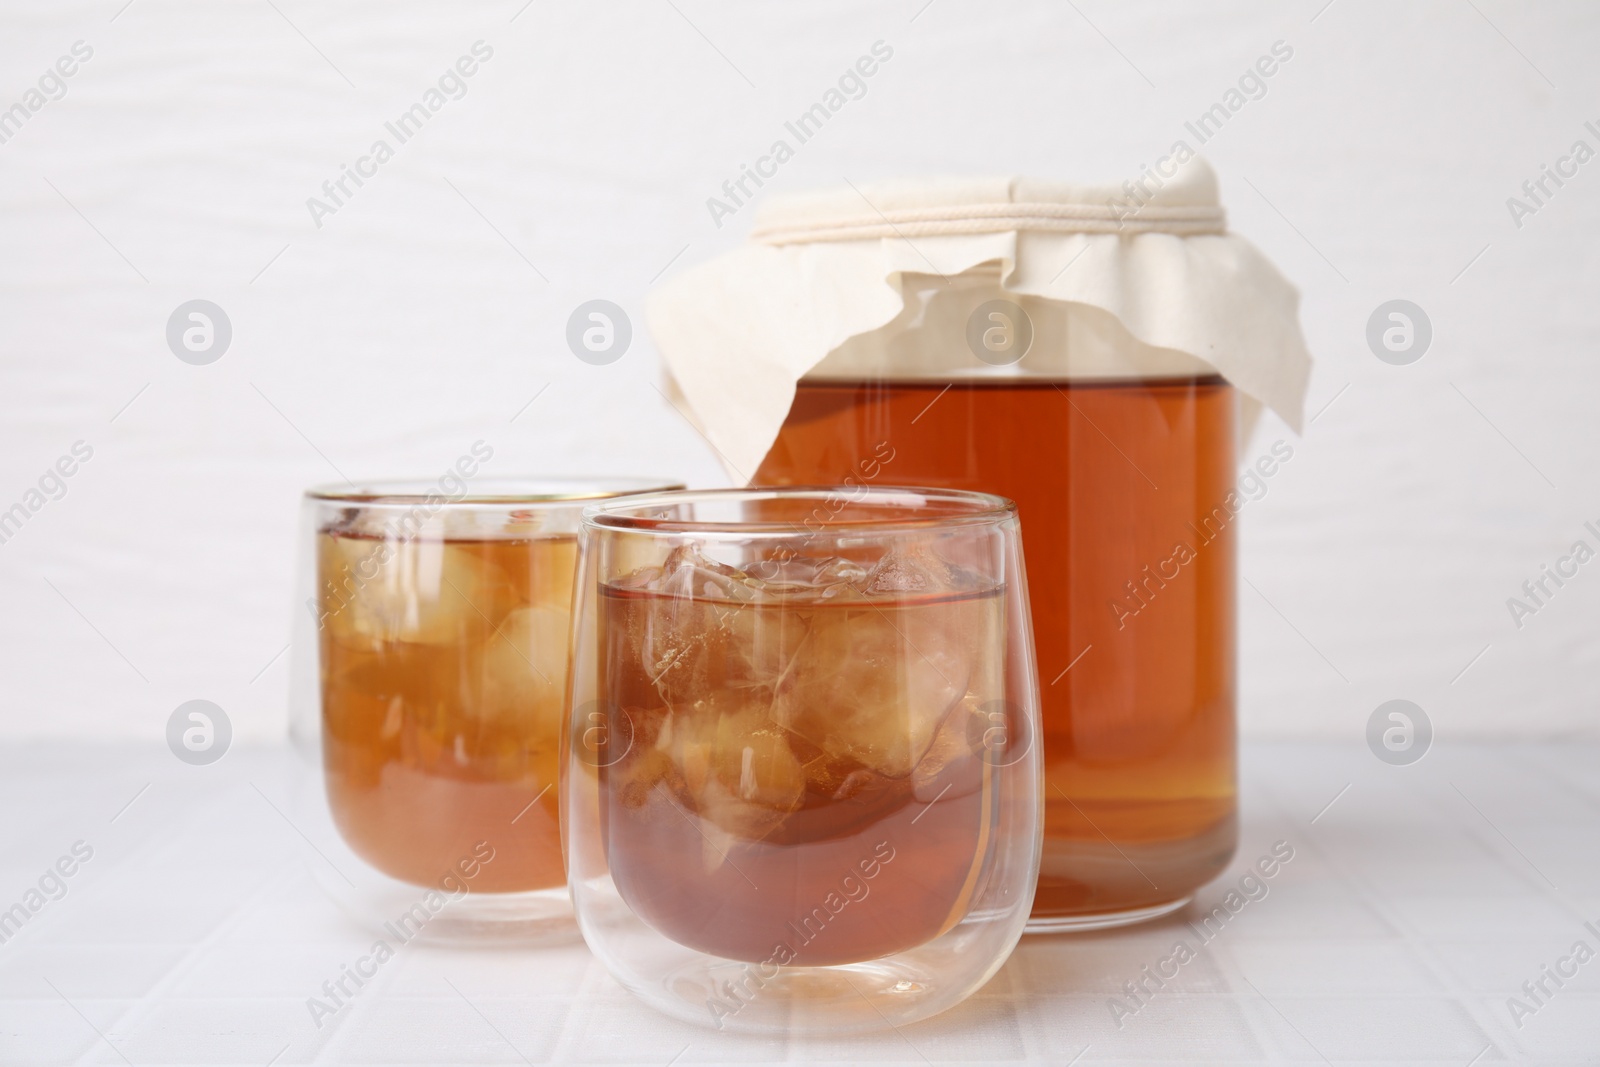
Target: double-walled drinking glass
<point x="802" y="791"/>
<point x="430" y="675"/>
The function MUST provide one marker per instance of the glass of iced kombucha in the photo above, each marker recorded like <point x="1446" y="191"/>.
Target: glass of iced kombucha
<point x="803" y="786"/>
<point x="438" y="639"/>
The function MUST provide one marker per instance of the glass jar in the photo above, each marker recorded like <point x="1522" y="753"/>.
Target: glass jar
<point x="802" y="792"/>
<point x="1095" y="353"/>
<point x="429" y="671"/>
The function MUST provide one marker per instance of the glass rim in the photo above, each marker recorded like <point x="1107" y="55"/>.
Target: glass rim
<point x="980" y="509"/>
<point x="531" y="492"/>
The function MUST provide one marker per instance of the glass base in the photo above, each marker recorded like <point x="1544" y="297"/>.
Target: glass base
<point x="541" y="917"/>
<point x="1069" y="924"/>
<point x="789" y="1001"/>
<point x="849" y="999"/>
<point x="1095" y="885"/>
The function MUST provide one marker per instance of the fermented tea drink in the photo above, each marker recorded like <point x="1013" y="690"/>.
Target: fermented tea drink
<point x="800" y="741"/>
<point x="1122" y="486"/>
<point x="443" y="669"/>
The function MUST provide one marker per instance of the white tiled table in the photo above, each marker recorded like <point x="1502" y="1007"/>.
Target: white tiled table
<point x="1416" y="904"/>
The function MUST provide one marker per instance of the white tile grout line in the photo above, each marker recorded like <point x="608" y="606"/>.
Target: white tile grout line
<point x="1332" y="802"/>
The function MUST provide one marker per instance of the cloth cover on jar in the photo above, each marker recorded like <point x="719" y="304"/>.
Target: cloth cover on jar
<point x="892" y="281"/>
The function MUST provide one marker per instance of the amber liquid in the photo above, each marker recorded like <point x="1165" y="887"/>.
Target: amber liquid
<point x="801" y="783"/>
<point x="443" y="675"/>
<point x="1136" y="665"/>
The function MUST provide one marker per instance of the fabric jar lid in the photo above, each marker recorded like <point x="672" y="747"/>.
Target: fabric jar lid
<point x="1139" y="277"/>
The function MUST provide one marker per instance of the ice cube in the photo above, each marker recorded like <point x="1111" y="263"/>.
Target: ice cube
<point x="689" y="573"/>
<point x="420" y="591"/>
<point x="754" y="761"/>
<point x="634" y="778"/>
<point x="872" y="683"/>
<point x="736" y="766"/>
<point x="959" y="737"/>
<point x="901" y="573"/>
<point x="699" y="634"/>
<point x="523" y="670"/>
<point x="805" y="578"/>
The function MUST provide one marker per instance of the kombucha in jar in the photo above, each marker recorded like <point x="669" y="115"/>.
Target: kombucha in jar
<point x="1121" y="486"/>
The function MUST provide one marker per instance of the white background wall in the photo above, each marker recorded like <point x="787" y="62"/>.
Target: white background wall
<point x="412" y="323"/>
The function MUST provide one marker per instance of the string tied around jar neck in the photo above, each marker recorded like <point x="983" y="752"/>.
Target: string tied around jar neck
<point x="956" y="219"/>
